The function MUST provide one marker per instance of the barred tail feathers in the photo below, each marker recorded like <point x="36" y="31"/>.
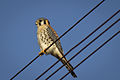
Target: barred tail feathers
<point x="69" y="67"/>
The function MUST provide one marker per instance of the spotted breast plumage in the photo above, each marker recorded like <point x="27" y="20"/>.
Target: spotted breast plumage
<point x="46" y="35"/>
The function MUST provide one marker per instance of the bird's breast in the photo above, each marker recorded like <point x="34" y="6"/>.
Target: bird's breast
<point x="45" y="40"/>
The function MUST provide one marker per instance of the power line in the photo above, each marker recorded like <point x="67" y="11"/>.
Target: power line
<point x="84" y="48"/>
<point x="24" y="67"/>
<point x="57" y="39"/>
<point x="68" y="30"/>
<point x="92" y="53"/>
<point x="75" y="24"/>
<point x="79" y="43"/>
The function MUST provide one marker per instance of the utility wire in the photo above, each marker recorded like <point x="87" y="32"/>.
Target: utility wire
<point x="57" y="39"/>
<point x="79" y="43"/>
<point x="84" y="48"/>
<point x="75" y="24"/>
<point x="92" y="53"/>
<point x="24" y="67"/>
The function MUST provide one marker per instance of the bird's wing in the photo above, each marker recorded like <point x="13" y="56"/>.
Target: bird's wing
<point x="54" y="36"/>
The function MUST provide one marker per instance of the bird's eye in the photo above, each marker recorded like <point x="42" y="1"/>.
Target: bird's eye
<point x="44" y="22"/>
<point x="40" y="20"/>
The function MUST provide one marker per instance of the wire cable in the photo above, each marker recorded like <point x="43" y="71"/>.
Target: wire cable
<point x="24" y="67"/>
<point x="84" y="48"/>
<point x="92" y="53"/>
<point x="79" y="43"/>
<point x="75" y="24"/>
<point x="57" y="39"/>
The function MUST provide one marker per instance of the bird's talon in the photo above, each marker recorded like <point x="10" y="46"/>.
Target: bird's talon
<point x="41" y="53"/>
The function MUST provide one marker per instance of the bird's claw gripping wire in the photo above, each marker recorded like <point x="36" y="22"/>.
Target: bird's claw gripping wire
<point x="42" y="52"/>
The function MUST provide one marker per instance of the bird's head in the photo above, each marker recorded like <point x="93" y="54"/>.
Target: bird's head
<point x="42" y="21"/>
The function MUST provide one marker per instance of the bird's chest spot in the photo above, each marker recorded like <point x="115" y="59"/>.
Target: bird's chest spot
<point x="45" y="38"/>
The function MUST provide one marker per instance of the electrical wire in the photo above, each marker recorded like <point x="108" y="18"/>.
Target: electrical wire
<point x="75" y="24"/>
<point x="57" y="39"/>
<point x="79" y="43"/>
<point x="24" y="68"/>
<point x="84" y="48"/>
<point x="92" y="53"/>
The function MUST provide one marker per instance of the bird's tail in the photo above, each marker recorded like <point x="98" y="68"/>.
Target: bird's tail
<point x="69" y="67"/>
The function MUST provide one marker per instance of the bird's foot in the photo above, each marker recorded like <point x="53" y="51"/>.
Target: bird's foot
<point x="42" y="52"/>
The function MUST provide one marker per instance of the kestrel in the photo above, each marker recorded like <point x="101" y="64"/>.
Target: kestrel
<point x="46" y="35"/>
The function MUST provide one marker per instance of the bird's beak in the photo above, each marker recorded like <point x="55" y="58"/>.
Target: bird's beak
<point x="35" y="23"/>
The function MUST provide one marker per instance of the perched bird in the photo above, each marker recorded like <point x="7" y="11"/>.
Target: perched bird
<point x="46" y="35"/>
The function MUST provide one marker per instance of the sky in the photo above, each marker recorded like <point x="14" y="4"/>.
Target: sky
<point x="18" y="42"/>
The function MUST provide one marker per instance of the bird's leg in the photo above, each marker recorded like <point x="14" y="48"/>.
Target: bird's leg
<point x="42" y="52"/>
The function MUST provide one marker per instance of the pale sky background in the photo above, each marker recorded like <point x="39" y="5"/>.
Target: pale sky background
<point x="18" y="42"/>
